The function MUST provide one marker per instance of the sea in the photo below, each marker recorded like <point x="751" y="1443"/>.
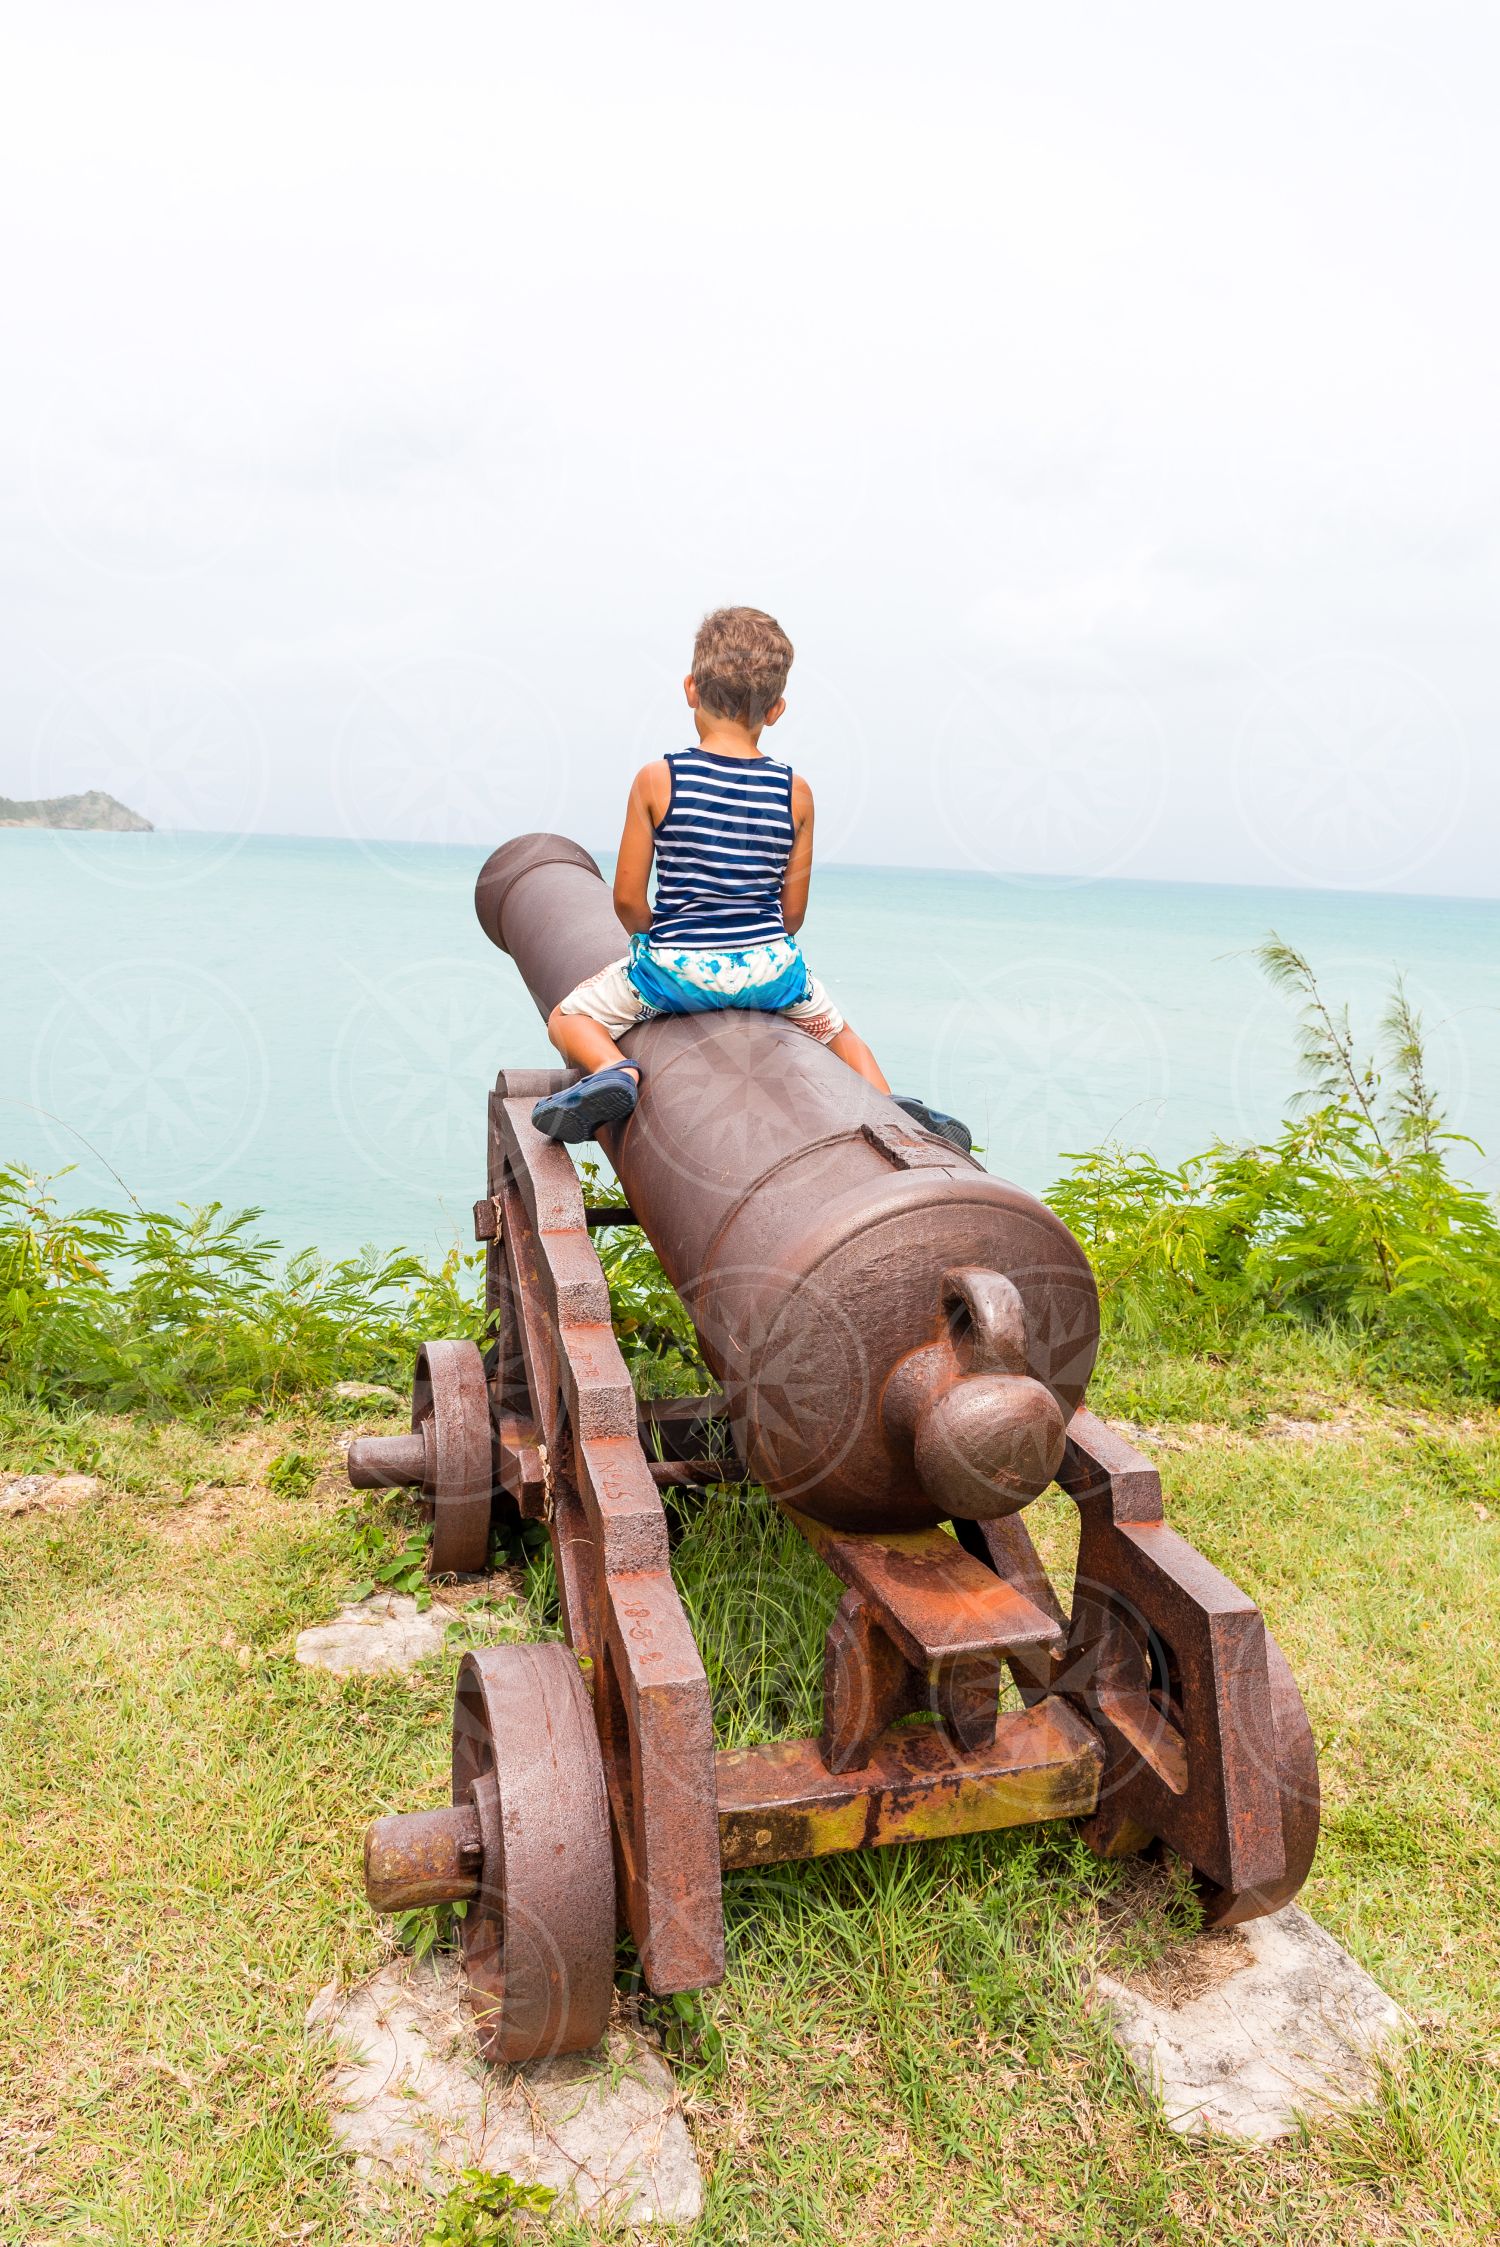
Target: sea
<point x="308" y="1027"/>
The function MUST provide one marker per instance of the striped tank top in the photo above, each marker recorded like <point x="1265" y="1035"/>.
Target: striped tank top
<point x="721" y="852"/>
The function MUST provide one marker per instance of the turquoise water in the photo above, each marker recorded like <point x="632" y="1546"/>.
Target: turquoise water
<point x="311" y="1025"/>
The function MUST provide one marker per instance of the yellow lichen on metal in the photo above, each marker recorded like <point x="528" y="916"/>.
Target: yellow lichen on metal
<point x="781" y="1801"/>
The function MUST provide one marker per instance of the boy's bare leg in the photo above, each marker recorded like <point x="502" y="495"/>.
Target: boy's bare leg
<point x="584" y="1044"/>
<point x="851" y="1048"/>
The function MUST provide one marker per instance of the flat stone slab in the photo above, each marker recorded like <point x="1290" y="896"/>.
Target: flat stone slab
<point x="46" y="1494"/>
<point x="1288" y="2025"/>
<point x="603" y="2129"/>
<point x="387" y="1631"/>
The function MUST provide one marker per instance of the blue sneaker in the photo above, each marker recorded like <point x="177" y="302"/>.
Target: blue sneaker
<point x="576" y="1113"/>
<point x="933" y="1119"/>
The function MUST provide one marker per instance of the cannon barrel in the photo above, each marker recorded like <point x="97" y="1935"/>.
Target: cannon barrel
<point x="900" y="1335"/>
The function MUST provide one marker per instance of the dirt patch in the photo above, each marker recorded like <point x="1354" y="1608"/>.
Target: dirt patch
<point x="1185" y="1970"/>
<point x="206" y="1517"/>
<point x="1337" y="1427"/>
<point x="1356" y="1423"/>
<point x="500" y="1583"/>
<point x="1181" y="1967"/>
<point x="1191" y="1435"/>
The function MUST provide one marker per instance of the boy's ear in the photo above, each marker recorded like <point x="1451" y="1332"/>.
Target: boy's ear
<point x="775" y="710"/>
<point x="690" y="689"/>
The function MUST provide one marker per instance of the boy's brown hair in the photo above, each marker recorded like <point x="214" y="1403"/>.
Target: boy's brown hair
<point x="740" y="661"/>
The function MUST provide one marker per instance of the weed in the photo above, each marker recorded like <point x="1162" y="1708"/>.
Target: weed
<point x="654" y="1331"/>
<point x="429" y="1928"/>
<point x="189" y="1312"/>
<point x="292" y="1474"/>
<point x="389" y="1560"/>
<point x="480" y="2212"/>
<point x="686" y="2030"/>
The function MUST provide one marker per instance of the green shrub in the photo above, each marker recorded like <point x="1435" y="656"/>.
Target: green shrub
<point x="1349" y="1216"/>
<point x="162" y="1312"/>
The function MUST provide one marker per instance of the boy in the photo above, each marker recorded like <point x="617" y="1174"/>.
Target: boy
<point x="731" y="831"/>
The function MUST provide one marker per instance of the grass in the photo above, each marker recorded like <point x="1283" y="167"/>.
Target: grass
<point x="903" y="2047"/>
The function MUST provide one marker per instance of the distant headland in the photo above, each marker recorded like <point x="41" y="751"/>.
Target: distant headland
<point x="92" y="809"/>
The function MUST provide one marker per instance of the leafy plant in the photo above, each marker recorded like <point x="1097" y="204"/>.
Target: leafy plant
<point x="391" y="1562"/>
<point x="189" y="1311"/>
<point x="685" y="2027"/>
<point x="429" y="1928"/>
<point x="292" y="1474"/>
<point x="655" y="1333"/>
<point x="480" y="2210"/>
<point x="1349" y="1215"/>
<point x="1352" y="1214"/>
<point x="52" y="1273"/>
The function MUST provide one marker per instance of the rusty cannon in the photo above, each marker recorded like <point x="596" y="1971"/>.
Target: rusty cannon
<point x="902" y="1343"/>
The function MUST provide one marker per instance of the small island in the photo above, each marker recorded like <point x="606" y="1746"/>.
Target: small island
<point x="93" y="809"/>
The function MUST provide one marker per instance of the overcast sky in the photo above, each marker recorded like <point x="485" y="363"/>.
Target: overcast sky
<point x="1104" y="399"/>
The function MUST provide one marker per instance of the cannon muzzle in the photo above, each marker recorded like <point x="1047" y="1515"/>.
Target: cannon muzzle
<point x="984" y="1436"/>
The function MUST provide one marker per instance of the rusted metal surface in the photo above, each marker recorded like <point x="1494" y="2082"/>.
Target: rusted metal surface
<point x="1206" y="1743"/>
<point x="903" y="1343"/>
<point x="522" y="1466"/>
<point x="1005" y="1545"/>
<point x="782" y="1801"/>
<point x="688" y="1474"/>
<point x="684" y="1423"/>
<point x="966" y="1699"/>
<point x="448" y="1456"/>
<point x="1288" y="1741"/>
<point x="982" y="1436"/>
<point x="539" y="1934"/>
<point x="609" y="1538"/>
<point x="688" y="1443"/>
<point x="925" y="1625"/>
<point x="425" y="1857"/>
<point x="808" y="1223"/>
<point x="867" y="1684"/>
<point x="388" y="1462"/>
<point x="939" y="1603"/>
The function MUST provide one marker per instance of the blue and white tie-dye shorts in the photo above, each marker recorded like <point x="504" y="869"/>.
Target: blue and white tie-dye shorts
<point x="767" y="978"/>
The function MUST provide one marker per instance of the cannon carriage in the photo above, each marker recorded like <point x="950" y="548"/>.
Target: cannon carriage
<point x="903" y="1345"/>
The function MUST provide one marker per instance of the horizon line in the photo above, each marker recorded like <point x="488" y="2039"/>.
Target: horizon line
<point x="1015" y="876"/>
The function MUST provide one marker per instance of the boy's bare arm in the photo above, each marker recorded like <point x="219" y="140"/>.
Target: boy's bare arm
<point x="798" y="874"/>
<point x="650" y="793"/>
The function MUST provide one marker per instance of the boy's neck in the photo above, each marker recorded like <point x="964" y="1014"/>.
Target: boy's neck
<point x="726" y="737"/>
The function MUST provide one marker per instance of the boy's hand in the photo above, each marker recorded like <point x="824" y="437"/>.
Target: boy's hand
<point x="650" y="794"/>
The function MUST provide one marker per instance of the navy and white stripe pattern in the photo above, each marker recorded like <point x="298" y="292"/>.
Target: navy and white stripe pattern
<point x="721" y="852"/>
